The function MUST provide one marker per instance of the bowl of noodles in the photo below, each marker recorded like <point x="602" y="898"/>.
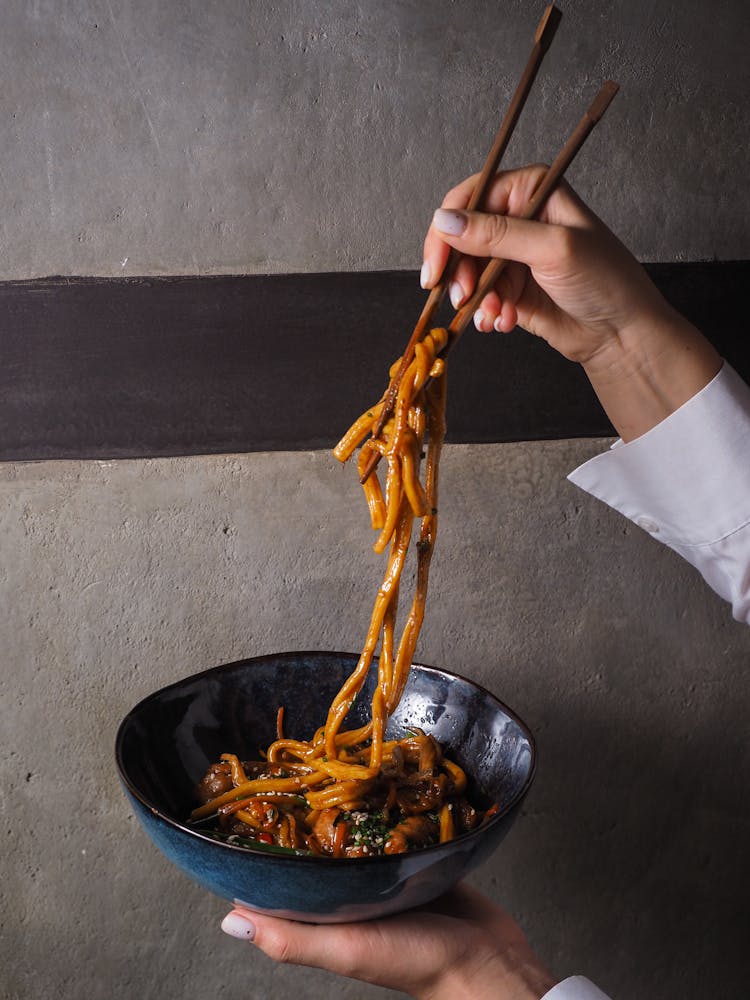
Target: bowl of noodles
<point x="331" y="786"/>
<point x="222" y="787"/>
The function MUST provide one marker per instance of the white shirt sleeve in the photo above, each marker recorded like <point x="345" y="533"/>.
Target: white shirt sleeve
<point x="575" y="988"/>
<point x="687" y="482"/>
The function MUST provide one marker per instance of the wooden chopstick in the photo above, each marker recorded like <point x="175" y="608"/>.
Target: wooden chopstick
<point x="533" y="206"/>
<point x="543" y="36"/>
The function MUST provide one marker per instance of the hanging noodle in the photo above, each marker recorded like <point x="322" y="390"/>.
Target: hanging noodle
<point x="353" y="793"/>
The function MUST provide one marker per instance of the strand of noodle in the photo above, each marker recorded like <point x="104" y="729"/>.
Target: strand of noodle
<point x="416" y="376"/>
<point x="341" y="770"/>
<point x="378" y="729"/>
<point x="457" y="774"/>
<point x="417" y="417"/>
<point x="296" y="747"/>
<point x="385" y="679"/>
<point x="342" y="791"/>
<point x="423" y="358"/>
<point x="385" y="662"/>
<point x="372" y="490"/>
<point x="447" y="828"/>
<point x="394" y="478"/>
<point x="258" y="785"/>
<point x="392" y="501"/>
<point x="438" y="367"/>
<point x="352" y="686"/>
<point x="237" y="770"/>
<point x="345" y="779"/>
<point x="410" y="475"/>
<point x="436" y="424"/>
<point x="352" y="737"/>
<point x="361" y="426"/>
<point x="388" y="753"/>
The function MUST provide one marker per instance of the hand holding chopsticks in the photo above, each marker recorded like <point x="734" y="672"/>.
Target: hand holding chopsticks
<point x="543" y="37"/>
<point x="534" y="205"/>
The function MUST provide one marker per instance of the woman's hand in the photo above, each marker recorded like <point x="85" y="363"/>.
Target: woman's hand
<point x="460" y="946"/>
<point x="571" y="282"/>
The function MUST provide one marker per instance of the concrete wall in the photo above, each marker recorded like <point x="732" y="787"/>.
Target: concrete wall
<point x="194" y="136"/>
<point x="120" y="577"/>
<point x="187" y="137"/>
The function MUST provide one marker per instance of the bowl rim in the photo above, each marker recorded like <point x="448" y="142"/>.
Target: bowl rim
<point x="305" y="858"/>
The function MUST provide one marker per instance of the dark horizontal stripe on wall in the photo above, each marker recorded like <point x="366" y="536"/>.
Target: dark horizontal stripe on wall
<point x="112" y="368"/>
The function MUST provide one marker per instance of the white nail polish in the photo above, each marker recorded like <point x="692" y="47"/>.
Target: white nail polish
<point x="238" y="926"/>
<point x="496" y="325"/>
<point x="449" y="221"/>
<point x="456" y="294"/>
<point x="479" y="320"/>
<point x="425" y="275"/>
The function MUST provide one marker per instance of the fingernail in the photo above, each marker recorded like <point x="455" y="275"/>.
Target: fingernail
<point x="450" y="221"/>
<point x="238" y="926"/>
<point x="456" y="294"/>
<point x="479" y="320"/>
<point x="496" y="325"/>
<point x="425" y="275"/>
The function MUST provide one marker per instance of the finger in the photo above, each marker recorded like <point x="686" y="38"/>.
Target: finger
<point x="507" y="318"/>
<point x="537" y="244"/>
<point x="511" y="191"/>
<point x="487" y="312"/>
<point x="418" y="943"/>
<point x="435" y="252"/>
<point x="512" y="282"/>
<point x="508" y="194"/>
<point x="463" y="282"/>
<point x="497" y="310"/>
<point x="510" y="287"/>
<point x="331" y="947"/>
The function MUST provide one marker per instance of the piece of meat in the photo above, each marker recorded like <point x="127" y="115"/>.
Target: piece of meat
<point x="421" y="792"/>
<point x="324" y="829"/>
<point x="430" y="754"/>
<point x="414" y="831"/>
<point x="216" y="781"/>
<point x="465" y="815"/>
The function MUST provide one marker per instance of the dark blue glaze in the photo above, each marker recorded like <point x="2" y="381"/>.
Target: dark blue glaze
<point x="166" y="743"/>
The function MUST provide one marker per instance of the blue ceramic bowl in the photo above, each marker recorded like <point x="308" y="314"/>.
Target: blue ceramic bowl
<point x="166" y="743"/>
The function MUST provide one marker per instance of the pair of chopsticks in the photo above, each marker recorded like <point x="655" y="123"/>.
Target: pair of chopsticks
<point x="542" y="40"/>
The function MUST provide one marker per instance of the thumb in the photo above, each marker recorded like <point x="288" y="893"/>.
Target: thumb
<point x="537" y="244"/>
<point x="400" y="952"/>
<point x="340" y="948"/>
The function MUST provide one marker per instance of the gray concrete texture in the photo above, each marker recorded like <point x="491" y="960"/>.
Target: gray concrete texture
<point x="186" y="137"/>
<point x="214" y="136"/>
<point x="120" y="577"/>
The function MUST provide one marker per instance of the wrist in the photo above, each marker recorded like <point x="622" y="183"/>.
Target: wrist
<point x="649" y="370"/>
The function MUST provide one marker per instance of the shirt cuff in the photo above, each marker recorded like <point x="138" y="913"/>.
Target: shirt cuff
<point x="575" y="988"/>
<point x="687" y="480"/>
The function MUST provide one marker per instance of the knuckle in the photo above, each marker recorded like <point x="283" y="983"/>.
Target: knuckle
<point x="452" y="196"/>
<point x="565" y="243"/>
<point x="459" y="194"/>
<point x="496" y="228"/>
<point x="279" y="948"/>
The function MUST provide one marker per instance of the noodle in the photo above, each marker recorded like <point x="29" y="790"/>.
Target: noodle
<point x="348" y="787"/>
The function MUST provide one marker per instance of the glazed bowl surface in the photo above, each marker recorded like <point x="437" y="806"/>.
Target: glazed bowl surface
<point x="166" y="743"/>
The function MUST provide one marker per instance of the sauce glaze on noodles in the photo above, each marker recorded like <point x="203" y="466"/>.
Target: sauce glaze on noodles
<point x="353" y="793"/>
